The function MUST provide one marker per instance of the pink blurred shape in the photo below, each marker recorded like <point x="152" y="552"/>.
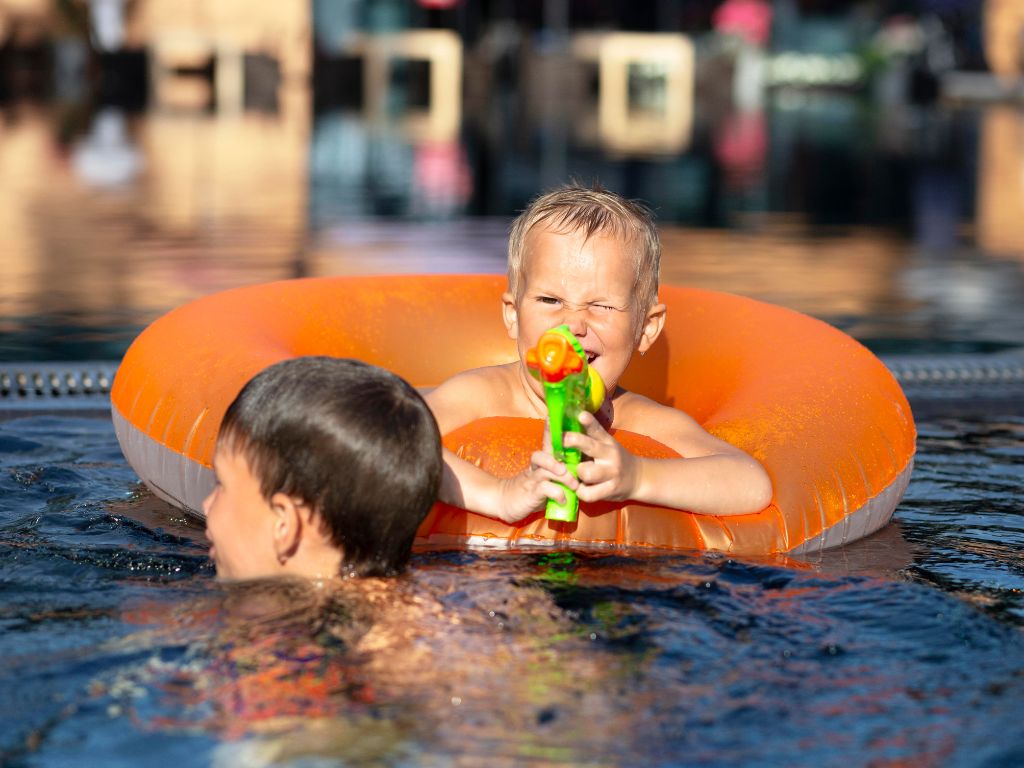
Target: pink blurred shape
<point x="748" y="19"/>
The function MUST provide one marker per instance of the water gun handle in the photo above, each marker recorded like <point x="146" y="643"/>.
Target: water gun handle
<point x="563" y="416"/>
<point x="570" y="387"/>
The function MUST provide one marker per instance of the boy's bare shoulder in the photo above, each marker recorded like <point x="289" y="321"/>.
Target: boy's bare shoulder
<point x="472" y="395"/>
<point x="668" y="425"/>
<point x="480" y="381"/>
<point x="638" y="413"/>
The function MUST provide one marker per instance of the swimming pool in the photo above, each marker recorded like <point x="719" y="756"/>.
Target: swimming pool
<point x="118" y="647"/>
<point x="118" y="644"/>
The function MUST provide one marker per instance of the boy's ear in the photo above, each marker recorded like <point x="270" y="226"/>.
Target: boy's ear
<point x="510" y="314"/>
<point x="652" y="327"/>
<point x="287" y="526"/>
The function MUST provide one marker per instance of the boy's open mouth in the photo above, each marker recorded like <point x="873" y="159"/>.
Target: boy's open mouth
<point x="591" y="357"/>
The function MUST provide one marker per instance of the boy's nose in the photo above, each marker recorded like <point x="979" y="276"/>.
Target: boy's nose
<point x="577" y="322"/>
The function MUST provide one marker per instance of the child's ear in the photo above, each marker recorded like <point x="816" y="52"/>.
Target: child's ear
<point x="287" y="526"/>
<point x="510" y="314"/>
<point x="653" y="325"/>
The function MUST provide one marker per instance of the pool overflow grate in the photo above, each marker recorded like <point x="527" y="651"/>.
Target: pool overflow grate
<point x="44" y="384"/>
<point x="980" y="385"/>
<point x="1002" y="370"/>
<point x="933" y="379"/>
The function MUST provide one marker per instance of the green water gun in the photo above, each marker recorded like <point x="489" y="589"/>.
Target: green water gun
<point x="570" y="386"/>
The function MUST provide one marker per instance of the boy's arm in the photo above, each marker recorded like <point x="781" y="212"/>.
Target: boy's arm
<point x="463" y="399"/>
<point x="715" y="478"/>
<point x="507" y="499"/>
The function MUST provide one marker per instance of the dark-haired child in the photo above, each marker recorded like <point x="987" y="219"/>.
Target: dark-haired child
<point x="325" y="467"/>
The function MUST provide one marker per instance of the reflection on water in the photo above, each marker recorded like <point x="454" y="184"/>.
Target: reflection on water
<point x="893" y="220"/>
<point x="198" y="204"/>
<point x="972" y="542"/>
<point x="131" y="215"/>
<point x="1001" y="183"/>
<point x="900" y="225"/>
<point x="208" y="161"/>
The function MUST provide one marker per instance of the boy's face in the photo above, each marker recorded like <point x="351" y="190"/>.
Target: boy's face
<point x="239" y="521"/>
<point x="585" y="283"/>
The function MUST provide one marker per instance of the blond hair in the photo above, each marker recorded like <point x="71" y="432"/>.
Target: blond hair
<point x="591" y="210"/>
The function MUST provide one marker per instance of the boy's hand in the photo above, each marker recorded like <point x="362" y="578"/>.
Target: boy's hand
<point x="612" y="472"/>
<point x="530" y="490"/>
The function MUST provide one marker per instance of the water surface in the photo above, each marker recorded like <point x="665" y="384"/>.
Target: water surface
<point x="901" y="226"/>
<point x="117" y="642"/>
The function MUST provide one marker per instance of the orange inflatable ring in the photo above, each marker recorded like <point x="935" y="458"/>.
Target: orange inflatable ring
<point x="824" y="415"/>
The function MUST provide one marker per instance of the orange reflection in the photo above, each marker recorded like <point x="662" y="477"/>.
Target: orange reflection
<point x="217" y="202"/>
<point x="1000" y="223"/>
<point x="1004" y="21"/>
<point x="191" y="33"/>
<point x="29" y="162"/>
<point x="856" y="273"/>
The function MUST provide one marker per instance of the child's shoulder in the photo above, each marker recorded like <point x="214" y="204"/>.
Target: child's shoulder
<point x="472" y="394"/>
<point x="637" y="413"/>
<point x="481" y="381"/>
<point x="633" y="403"/>
<point x="671" y="426"/>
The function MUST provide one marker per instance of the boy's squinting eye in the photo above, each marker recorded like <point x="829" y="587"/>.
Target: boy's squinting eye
<point x="548" y="300"/>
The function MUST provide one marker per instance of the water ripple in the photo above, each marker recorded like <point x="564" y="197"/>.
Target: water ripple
<point x="904" y="648"/>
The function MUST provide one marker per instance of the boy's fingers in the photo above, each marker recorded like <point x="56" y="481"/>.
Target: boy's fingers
<point x="543" y="460"/>
<point x="568" y="480"/>
<point x="554" y="472"/>
<point x="585" y="443"/>
<point x="595" y="475"/>
<point x="593" y="427"/>
<point x="554" y="491"/>
<point x="597" y="492"/>
<point x="588" y="472"/>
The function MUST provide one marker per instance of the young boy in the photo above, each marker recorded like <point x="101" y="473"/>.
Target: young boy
<point x="325" y="467"/>
<point x="590" y="259"/>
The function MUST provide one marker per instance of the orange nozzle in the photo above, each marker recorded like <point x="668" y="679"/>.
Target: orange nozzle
<point x="554" y="357"/>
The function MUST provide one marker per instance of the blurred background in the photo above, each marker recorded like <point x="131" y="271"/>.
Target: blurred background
<point x="859" y="161"/>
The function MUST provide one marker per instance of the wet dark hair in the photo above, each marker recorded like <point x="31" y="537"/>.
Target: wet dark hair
<point x="354" y="442"/>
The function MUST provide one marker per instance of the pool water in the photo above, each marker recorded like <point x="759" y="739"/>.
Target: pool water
<point x="117" y="646"/>
<point x="116" y="643"/>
